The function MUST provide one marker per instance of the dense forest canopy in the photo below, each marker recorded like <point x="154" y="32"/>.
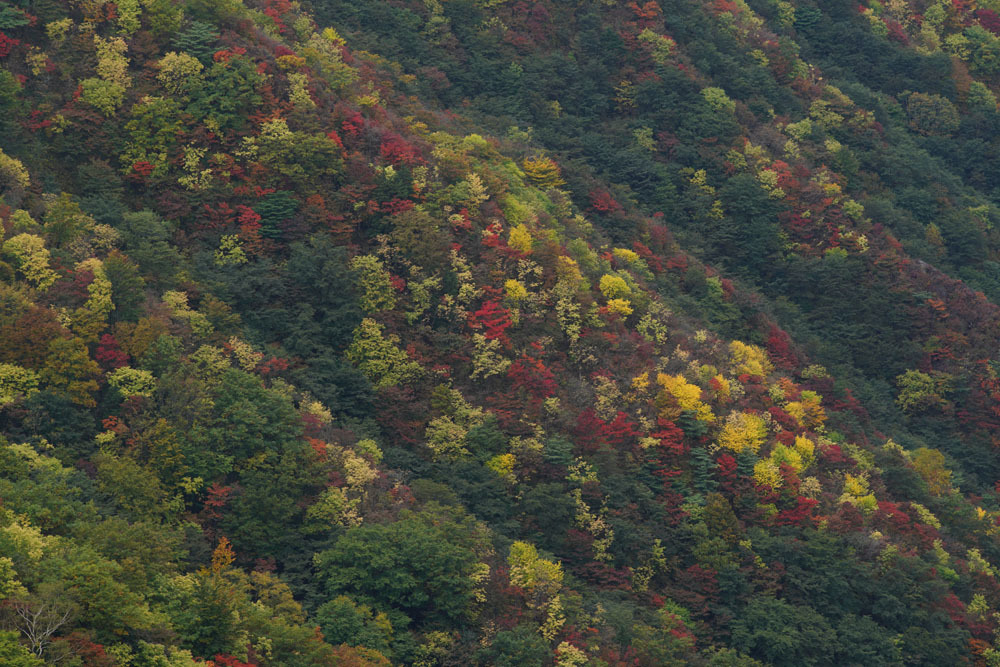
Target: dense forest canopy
<point x="499" y="332"/>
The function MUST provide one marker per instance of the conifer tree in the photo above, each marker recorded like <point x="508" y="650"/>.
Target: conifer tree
<point x="199" y="40"/>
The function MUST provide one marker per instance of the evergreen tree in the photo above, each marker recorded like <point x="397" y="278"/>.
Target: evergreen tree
<point x="199" y="40"/>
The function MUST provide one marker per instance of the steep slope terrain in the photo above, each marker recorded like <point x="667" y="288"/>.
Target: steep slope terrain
<point x="498" y="333"/>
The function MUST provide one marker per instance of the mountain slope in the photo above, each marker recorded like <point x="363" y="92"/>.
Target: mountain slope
<point x="313" y="355"/>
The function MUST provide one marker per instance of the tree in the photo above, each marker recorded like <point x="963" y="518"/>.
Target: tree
<point x="145" y="236"/>
<point x="543" y="172"/>
<point x="375" y="285"/>
<point x="13" y="176"/>
<point x="12" y="18"/>
<point x="27" y="337"/>
<point x="420" y="238"/>
<point x="275" y="210"/>
<point x="298" y="156"/>
<point x="16" y="382"/>
<point x="105" y="96"/>
<point x="668" y="641"/>
<point x="31" y="258"/>
<point x="520" y="238"/>
<point x="614" y="287"/>
<point x="746" y="239"/>
<point x="206" y="606"/>
<point x="925" y="648"/>
<point x="862" y="641"/>
<point x="266" y="511"/>
<point x="178" y="71"/>
<point x="134" y="488"/>
<point x="379" y="357"/>
<point x="247" y="420"/>
<point x="228" y="94"/>
<point x="344" y="622"/>
<point x="918" y="392"/>
<point x="92" y="585"/>
<point x="13" y="654"/>
<point x="981" y="99"/>
<point x="783" y="634"/>
<point x="685" y="396"/>
<point x="127" y="287"/>
<point x="720" y="519"/>
<point x="541" y="579"/>
<point x="419" y="565"/>
<point x="983" y="48"/>
<point x="743" y="431"/>
<point x="494" y="319"/>
<point x="661" y="47"/>
<point x="520" y="647"/>
<point x="930" y="464"/>
<point x="70" y="371"/>
<point x="718" y="100"/>
<point x="64" y="220"/>
<point x="199" y="39"/>
<point x="445" y="438"/>
<point x="749" y="359"/>
<point x="932" y="114"/>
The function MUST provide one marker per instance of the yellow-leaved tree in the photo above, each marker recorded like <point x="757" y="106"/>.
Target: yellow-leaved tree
<point x="679" y="395"/>
<point x="749" y="359"/>
<point x="541" y="581"/>
<point x="743" y="431"/>
<point x="375" y="284"/>
<point x="31" y="258"/>
<point x="520" y="238"/>
<point x="13" y="175"/>
<point x="379" y="357"/>
<point x="807" y="411"/>
<point x="15" y="382"/>
<point x="930" y="464"/>
<point x="543" y="172"/>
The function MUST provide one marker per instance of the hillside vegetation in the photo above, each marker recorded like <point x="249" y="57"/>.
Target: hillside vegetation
<point x="490" y="332"/>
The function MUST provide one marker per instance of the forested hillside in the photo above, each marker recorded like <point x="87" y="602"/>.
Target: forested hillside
<point x="491" y="332"/>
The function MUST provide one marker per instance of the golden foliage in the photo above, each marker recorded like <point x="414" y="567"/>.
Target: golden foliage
<point x="614" y="287"/>
<point x="766" y="473"/>
<point x="520" y="239"/>
<point x="930" y="464"/>
<point x="515" y="290"/>
<point x="543" y="172"/>
<point x="682" y="394"/>
<point x="749" y="359"/>
<point x="743" y="431"/>
<point x="621" y="307"/>
<point x="807" y="411"/>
